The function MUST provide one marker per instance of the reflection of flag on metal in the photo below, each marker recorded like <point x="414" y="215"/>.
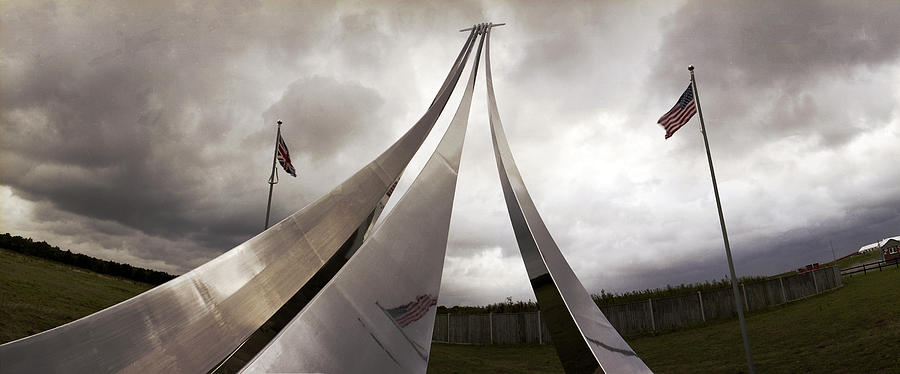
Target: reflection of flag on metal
<point x="409" y="313"/>
<point x="284" y="157"/>
<point x="683" y="110"/>
<point x="390" y="190"/>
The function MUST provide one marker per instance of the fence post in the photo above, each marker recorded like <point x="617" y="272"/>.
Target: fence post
<point x="540" y="329"/>
<point x="702" y="313"/>
<point x="448" y="328"/>
<point x="746" y="304"/>
<point x="652" y="321"/>
<point x="831" y="283"/>
<point x="469" y="328"/>
<point x="491" y="325"/>
<point x="783" y="294"/>
<point x="813" y="275"/>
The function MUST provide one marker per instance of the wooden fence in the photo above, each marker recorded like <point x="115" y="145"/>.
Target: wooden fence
<point x="872" y="266"/>
<point x="640" y="317"/>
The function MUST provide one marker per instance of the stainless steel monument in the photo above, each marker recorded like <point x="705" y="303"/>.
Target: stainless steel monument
<point x="322" y="292"/>
<point x="377" y="314"/>
<point x="585" y="341"/>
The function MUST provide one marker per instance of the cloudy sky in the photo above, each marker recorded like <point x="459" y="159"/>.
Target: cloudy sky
<point x="142" y="131"/>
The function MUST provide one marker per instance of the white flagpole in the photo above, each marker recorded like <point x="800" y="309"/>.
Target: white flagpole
<point x="734" y="284"/>
<point x="273" y="179"/>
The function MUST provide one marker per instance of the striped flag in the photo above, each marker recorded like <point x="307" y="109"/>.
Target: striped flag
<point x="284" y="157"/>
<point x="413" y="311"/>
<point x="683" y="110"/>
<point x="390" y="190"/>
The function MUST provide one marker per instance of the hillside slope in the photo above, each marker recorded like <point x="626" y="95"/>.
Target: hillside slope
<point x="38" y="294"/>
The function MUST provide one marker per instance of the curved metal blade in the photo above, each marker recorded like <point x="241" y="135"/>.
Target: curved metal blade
<point x="377" y="314"/>
<point x="585" y="341"/>
<point x="193" y="322"/>
<point x="248" y="349"/>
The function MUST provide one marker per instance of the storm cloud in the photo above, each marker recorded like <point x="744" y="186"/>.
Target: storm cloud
<point x="142" y="131"/>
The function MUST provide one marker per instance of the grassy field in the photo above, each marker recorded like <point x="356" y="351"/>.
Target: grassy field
<point x="37" y="294"/>
<point x="848" y="330"/>
<point x="867" y="257"/>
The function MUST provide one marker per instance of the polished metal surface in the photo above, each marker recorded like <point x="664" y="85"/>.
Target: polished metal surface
<point x="377" y="314"/>
<point x="190" y="324"/>
<point x="585" y="341"/>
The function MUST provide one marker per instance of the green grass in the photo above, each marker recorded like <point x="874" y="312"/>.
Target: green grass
<point x="867" y="257"/>
<point x="842" y="263"/>
<point x="453" y="358"/>
<point x="854" y="329"/>
<point x="38" y="294"/>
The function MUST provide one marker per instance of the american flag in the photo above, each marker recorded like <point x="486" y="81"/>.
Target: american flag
<point x="683" y="110"/>
<point x="413" y="311"/>
<point x="284" y="156"/>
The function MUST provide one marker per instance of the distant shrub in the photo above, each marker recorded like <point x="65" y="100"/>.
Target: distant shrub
<point x="603" y="298"/>
<point x="508" y="306"/>
<point x="43" y="250"/>
<point x="606" y="298"/>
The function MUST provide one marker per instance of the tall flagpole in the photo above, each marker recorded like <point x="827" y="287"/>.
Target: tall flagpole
<point x="273" y="179"/>
<point x="833" y="257"/>
<point x="734" y="285"/>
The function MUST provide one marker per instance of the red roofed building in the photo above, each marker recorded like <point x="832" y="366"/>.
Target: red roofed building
<point x="891" y="249"/>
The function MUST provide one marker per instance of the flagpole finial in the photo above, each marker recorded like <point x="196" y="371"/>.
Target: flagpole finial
<point x="279" y="122"/>
<point x="690" y="67"/>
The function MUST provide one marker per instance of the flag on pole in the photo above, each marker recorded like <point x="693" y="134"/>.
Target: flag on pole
<point x="683" y="110"/>
<point x="284" y="157"/>
<point x="413" y="311"/>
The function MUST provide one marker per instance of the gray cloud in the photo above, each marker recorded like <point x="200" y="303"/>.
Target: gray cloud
<point x="784" y="69"/>
<point x="772" y="42"/>
<point x="131" y="115"/>
<point x="333" y="115"/>
<point x="142" y="132"/>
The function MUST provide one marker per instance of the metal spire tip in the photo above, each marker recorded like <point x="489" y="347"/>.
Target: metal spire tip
<point x="483" y="25"/>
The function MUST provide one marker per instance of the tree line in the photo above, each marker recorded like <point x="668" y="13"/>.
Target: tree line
<point x="508" y="306"/>
<point x="603" y="298"/>
<point x="41" y="249"/>
<point x="609" y="298"/>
